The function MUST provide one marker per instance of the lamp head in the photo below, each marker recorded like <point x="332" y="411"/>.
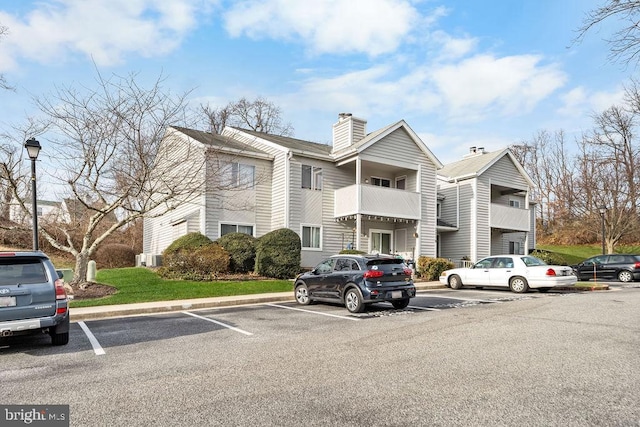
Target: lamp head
<point x="602" y="209"/>
<point x="33" y="148"/>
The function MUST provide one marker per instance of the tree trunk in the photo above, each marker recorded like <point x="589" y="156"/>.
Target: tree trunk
<point x="80" y="272"/>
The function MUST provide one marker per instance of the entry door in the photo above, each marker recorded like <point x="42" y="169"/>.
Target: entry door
<point x="381" y="242"/>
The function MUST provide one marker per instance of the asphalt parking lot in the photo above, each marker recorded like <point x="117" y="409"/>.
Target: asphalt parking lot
<point x="267" y="319"/>
<point x="468" y="357"/>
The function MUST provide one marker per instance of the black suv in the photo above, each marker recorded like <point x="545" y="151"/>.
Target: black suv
<point x="32" y="297"/>
<point x="356" y="280"/>
<point x="624" y="268"/>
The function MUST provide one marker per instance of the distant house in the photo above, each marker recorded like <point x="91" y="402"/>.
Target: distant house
<point x="47" y="210"/>
<point x="383" y="191"/>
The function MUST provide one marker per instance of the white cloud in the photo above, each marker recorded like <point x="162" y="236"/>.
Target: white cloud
<point x="507" y="85"/>
<point x="106" y="30"/>
<point x="579" y="102"/>
<point x="326" y="26"/>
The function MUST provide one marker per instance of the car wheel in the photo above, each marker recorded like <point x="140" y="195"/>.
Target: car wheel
<point x="302" y="295"/>
<point x="518" y="285"/>
<point x="401" y="303"/>
<point x="625" y="276"/>
<point x="455" y="282"/>
<point x="353" y="301"/>
<point x="60" y="339"/>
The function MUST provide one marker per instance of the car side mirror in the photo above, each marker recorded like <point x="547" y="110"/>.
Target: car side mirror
<point x="60" y="274"/>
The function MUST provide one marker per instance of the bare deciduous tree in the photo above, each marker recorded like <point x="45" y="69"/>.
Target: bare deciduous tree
<point x="625" y="43"/>
<point x="259" y="115"/>
<point x="546" y="160"/>
<point x="3" y="82"/>
<point x="107" y="142"/>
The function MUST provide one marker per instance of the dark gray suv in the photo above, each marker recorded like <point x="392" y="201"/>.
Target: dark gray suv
<point x="357" y="280"/>
<point x="32" y="297"/>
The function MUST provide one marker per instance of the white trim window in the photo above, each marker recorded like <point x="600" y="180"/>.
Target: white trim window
<point x="239" y="175"/>
<point x="311" y="177"/>
<point x="401" y="182"/>
<point x="514" y="203"/>
<point x="226" y="228"/>
<point x="311" y="237"/>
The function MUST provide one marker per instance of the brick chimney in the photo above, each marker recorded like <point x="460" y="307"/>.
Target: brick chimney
<point x="348" y="131"/>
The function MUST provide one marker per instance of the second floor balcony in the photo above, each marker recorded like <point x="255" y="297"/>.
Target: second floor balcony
<point x="509" y="218"/>
<point x="377" y="201"/>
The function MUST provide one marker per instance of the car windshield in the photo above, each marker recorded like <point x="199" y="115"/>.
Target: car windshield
<point x="531" y="261"/>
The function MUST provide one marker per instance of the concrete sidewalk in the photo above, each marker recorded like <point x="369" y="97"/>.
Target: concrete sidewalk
<point x="105" y="311"/>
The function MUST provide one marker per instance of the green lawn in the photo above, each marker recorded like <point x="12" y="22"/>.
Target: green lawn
<point x="143" y="285"/>
<point x="578" y="253"/>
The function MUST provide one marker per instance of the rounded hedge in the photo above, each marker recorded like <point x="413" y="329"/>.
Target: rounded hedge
<point x="115" y="255"/>
<point x="187" y="242"/>
<point x="278" y="254"/>
<point x="242" y="250"/>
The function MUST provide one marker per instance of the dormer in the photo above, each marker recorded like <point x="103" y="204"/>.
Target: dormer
<point x="348" y="131"/>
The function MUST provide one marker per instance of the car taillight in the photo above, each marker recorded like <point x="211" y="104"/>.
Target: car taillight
<point x="636" y="265"/>
<point x="551" y="272"/>
<point x="408" y="272"/>
<point x="60" y="292"/>
<point x="372" y="274"/>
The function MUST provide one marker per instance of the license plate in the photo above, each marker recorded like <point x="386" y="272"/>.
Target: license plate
<point x="7" y="301"/>
<point x="396" y="294"/>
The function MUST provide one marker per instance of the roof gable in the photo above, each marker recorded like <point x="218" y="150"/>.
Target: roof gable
<point x="380" y="134"/>
<point x="476" y="165"/>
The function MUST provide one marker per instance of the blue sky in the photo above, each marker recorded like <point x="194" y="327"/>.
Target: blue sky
<point x="461" y="73"/>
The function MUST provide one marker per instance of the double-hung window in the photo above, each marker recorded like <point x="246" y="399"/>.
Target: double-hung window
<point x="311" y="237"/>
<point x="311" y="177"/>
<point x="240" y="175"/>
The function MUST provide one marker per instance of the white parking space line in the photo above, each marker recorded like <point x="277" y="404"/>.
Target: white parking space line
<point x="97" y="348"/>
<point x="415" y="307"/>
<point x="458" y="298"/>
<point x="233" y="328"/>
<point x="313" y="312"/>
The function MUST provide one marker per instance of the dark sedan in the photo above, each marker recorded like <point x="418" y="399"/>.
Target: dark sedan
<point x="357" y="280"/>
<point x="622" y="267"/>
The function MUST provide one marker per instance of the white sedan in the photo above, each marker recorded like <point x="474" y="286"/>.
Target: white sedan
<point x="518" y="272"/>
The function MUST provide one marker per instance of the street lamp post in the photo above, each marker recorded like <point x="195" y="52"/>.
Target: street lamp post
<point x="603" y="210"/>
<point x="33" y="149"/>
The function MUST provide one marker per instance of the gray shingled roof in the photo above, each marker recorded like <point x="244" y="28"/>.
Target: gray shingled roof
<point x="291" y="143"/>
<point x="216" y="140"/>
<point x="471" y="165"/>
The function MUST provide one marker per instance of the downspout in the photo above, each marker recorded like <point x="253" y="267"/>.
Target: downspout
<point x="474" y="222"/>
<point x="287" y="191"/>
<point x="526" y="234"/>
<point x="358" y="203"/>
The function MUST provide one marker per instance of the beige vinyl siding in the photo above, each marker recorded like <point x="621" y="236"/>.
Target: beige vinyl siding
<point x="400" y="148"/>
<point x="458" y="244"/>
<point x="483" y="236"/>
<point x="250" y="206"/>
<point x="504" y="172"/>
<point x="311" y="207"/>
<point x="184" y="160"/>
<point x="278" y="190"/>
<point x="429" y="210"/>
<point x="397" y="146"/>
<point x="449" y="206"/>
<point x="341" y="135"/>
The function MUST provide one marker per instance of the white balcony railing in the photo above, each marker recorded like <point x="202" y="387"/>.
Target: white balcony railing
<point x="509" y="218"/>
<point x="376" y="201"/>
